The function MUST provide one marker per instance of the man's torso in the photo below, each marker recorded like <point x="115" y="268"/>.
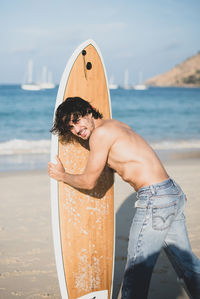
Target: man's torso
<point x="131" y="156"/>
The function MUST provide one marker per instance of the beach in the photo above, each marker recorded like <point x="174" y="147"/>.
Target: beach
<point x="26" y="251"/>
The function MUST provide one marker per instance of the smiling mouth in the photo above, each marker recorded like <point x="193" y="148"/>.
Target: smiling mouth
<point x="82" y="133"/>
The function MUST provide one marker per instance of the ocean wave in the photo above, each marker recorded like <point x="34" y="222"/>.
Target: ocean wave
<point x="19" y="146"/>
<point x="175" y="144"/>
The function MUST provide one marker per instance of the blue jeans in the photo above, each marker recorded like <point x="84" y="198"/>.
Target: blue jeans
<point x="159" y="223"/>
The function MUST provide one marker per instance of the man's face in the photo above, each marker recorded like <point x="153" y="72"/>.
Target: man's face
<point x="82" y="127"/>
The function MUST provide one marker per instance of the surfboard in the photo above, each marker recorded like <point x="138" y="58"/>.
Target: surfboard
<point x="82" y="220"/>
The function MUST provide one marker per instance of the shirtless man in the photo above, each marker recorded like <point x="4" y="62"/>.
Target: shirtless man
<point x="159" y="220"/>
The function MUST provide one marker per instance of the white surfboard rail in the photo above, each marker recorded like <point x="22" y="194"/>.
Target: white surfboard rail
<point x="54" y="183"/>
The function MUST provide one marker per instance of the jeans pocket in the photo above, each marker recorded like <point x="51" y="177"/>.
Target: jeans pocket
<point x="162" y="216"/>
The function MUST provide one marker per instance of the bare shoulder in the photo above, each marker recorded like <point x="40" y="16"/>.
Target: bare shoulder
<point x="107" y="128"/>
<point x="105" y="132"/>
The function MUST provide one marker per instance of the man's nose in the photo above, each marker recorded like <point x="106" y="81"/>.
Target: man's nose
<point x="76" y="128"/>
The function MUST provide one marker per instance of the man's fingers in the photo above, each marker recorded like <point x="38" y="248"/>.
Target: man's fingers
<point x="58" y="159"/>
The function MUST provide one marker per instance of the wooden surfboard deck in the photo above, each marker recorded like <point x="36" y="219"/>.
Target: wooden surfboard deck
<point x="83" y="221"/>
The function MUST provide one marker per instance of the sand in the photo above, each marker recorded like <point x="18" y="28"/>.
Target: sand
<point x="27" y="265"/>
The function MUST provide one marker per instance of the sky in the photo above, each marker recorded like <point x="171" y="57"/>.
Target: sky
<point x="145" y="37"/>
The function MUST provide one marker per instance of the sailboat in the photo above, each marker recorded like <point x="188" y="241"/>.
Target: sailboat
<point x="140" y="86"/>
<point x="111" y="83"/>
<point x="30" y="85"/>
<point x="46" y="79"/>
<point x="126" y="78"/>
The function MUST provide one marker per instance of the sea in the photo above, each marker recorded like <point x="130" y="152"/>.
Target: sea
<point x="168" y="118"/>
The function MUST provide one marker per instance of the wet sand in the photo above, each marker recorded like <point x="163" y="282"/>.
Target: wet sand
<point x="27" y="265"/>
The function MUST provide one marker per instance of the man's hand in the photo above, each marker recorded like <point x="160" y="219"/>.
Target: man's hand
<point x="56" y="171"/>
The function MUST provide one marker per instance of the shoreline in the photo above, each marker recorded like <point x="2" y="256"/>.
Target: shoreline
<point x="38" y="162"/>
<point x="26" y="246"/>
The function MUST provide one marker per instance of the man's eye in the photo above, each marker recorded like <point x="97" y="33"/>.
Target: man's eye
<point x="76" y="121"/>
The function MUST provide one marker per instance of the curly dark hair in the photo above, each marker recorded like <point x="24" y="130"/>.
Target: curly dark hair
<point x="75" y="106"/>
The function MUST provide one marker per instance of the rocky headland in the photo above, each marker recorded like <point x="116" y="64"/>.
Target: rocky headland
<point x="185" y="74"/>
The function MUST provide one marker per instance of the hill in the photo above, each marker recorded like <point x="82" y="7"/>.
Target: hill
<point x="186" y="74"/>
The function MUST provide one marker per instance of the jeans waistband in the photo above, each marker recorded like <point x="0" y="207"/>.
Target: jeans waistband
<point x="155" y="187"/>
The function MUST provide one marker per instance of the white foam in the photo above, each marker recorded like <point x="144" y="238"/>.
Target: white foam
<point x="18" y="146"/>
<point x="176" y="144"/>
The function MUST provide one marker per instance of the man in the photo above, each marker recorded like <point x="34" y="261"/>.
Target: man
<point x="159" y="220"/>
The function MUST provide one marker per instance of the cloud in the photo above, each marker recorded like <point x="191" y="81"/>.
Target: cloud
<point x="172" y="45"/>
<point x="66" y="39"/>
<point x="25" y="50"/>
<point x="30" y="40"/>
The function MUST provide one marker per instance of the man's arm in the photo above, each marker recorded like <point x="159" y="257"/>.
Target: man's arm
<point x="99" y="148"/>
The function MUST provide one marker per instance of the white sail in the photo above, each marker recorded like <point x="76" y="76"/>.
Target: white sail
<point x="30" y="85"/>
<point x="111" y="83"/>
<point x="126" y="80"/>
<point x="46" y="79"/>
<point x="140" y="85"/>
